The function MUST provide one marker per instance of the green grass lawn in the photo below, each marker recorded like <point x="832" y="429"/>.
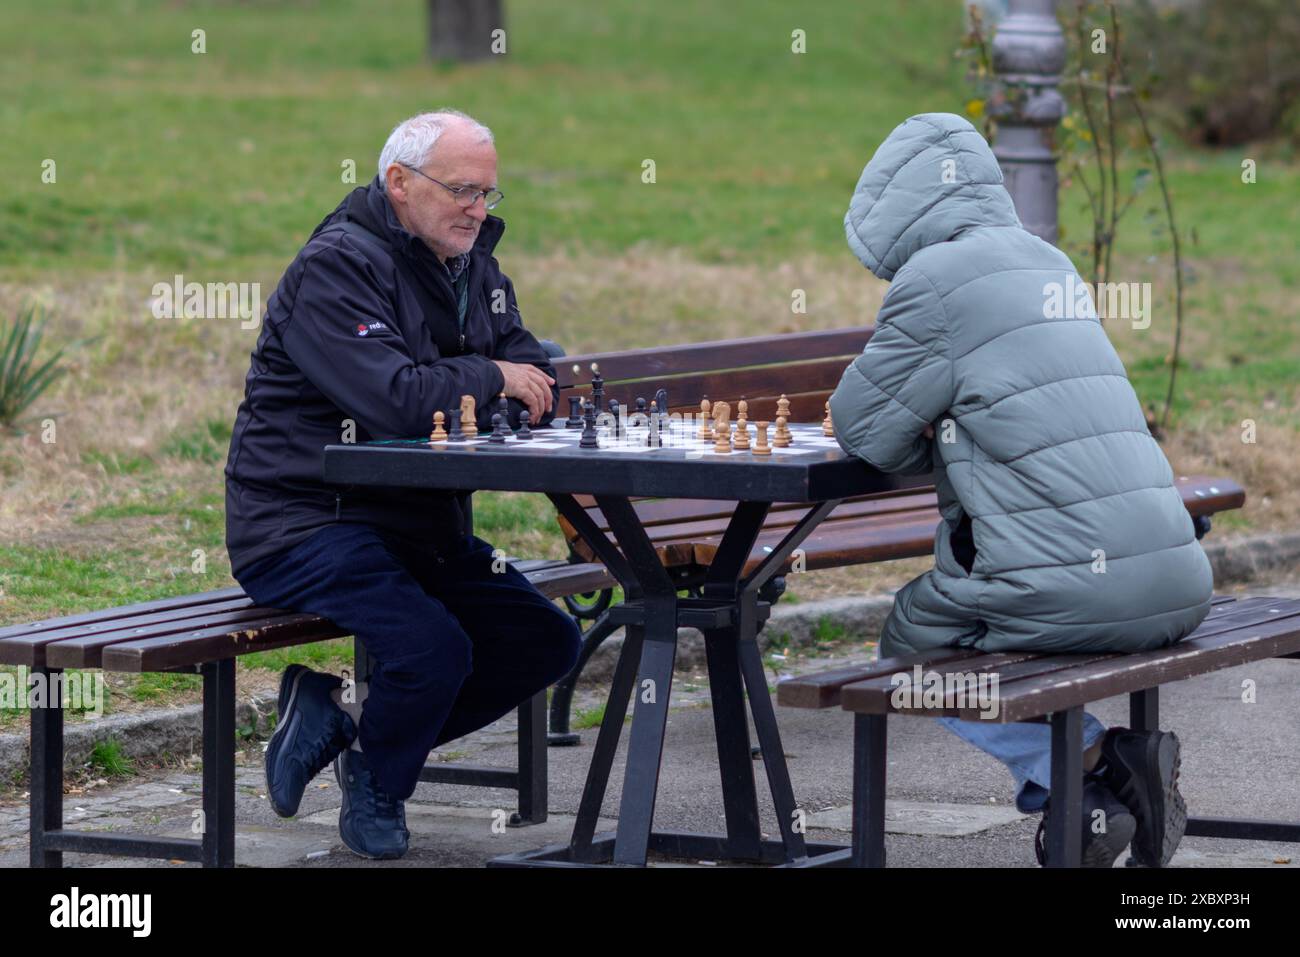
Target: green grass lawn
<point x="219" y="164"/>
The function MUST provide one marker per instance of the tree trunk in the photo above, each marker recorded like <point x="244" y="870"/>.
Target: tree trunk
<point x="462" y="29"/>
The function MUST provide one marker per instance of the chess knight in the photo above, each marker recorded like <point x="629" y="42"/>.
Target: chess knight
<point x="390" y="312"/>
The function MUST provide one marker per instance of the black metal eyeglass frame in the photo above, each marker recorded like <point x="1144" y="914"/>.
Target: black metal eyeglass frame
<point x="456" y="191"/>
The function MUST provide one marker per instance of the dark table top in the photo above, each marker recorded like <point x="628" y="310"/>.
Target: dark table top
<point x="813" y="469"/>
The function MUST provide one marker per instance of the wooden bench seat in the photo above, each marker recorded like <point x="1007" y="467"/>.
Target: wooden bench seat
<point x="179" y="633"/>
<point x="1033" y="687"/>
<point x="205" y="632"/>
<point x="860" y="530"/>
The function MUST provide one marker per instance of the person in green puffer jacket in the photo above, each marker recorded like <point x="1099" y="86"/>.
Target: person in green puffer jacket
<point x="1062" y="530"/>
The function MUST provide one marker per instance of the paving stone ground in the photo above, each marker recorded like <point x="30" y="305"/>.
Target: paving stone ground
<point x="949" y="804"/>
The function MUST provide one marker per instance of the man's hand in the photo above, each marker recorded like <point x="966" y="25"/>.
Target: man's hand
<point x="529" y="384"/>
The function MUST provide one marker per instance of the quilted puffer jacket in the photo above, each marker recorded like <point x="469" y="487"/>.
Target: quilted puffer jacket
<point x="1062" y="529"/>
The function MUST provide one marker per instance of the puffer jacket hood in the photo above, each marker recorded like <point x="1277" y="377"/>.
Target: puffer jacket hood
<point x="1062" y="529"/>
<point x="931" y="180"/>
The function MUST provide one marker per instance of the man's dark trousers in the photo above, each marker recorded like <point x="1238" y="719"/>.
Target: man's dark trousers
<point x="456" y="644"/>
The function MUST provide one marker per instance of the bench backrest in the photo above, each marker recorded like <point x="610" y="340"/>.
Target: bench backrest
<point x="804" y="366"/>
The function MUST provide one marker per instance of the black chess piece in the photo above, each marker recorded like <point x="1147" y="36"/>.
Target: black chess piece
<point x="661" y="400"/>
<point x="652" y="437"/>
<point x="597" y="387"/>
<point x="574" y="421"/>
<point x="588" y="440"/>
<point x="524" y="433"/>
<point x="640" y="404"/>
<point x="613" y="410"/>
<point x="498" y="428"/>
<point x="456" y="433"/>
<point x="503" y="406"/>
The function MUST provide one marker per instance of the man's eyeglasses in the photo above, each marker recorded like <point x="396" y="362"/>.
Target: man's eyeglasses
<point x="465" y="196"/>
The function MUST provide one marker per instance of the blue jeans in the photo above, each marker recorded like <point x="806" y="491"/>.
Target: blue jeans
<point x="1025" y="748"/>
<point x="458" y="638"/>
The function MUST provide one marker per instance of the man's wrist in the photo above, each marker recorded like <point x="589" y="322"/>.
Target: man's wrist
<point x="499" y="382"/>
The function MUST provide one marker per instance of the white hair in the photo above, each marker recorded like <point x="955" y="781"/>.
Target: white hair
<point x="411" y="142"/>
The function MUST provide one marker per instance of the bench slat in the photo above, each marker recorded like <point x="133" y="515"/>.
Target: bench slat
<point x="213" y="644"/>
<point x="821" y="689"/>
<point x="709" y="356"/>
<point x="30" y="650"/>
<point x="1122" y="674"/>
<point x="1215" y="645"/>
<point x="85" y="651"/>
<point x="559" y="581"/>
<point x="121" y="611"/>
<point x="879" y="690"/>
<point x="754" y="384"/>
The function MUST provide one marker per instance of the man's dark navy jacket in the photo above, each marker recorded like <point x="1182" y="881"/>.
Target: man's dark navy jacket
<point x="345" y="337"/>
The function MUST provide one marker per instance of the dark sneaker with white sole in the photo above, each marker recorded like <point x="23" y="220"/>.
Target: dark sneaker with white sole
<point x="1141" y="768"/>
<point x="1105" y="834"/>
<point x="371" y="823"/>
<point x="309" y="734"/>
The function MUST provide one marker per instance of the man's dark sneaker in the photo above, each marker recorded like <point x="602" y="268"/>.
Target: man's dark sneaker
<point x="1105" y="835"/>
<point x="309" y="734"/>
<point x="1141" y="768"/>
<point x="371" y="823"/>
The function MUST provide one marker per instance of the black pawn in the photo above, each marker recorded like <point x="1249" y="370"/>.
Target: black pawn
<point x="524" y="432"/>
<point x="613" y="410"/>
<point x="498" y="429"/>
<point x="652" y="437"/>
<point x="574" y="421"/>
<point x="640" y="404"/>
<point x="456" y="433"/>
<point x="588" y="440"/>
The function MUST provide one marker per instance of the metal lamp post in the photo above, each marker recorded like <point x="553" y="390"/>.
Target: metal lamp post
<point x="1028" y="57"/>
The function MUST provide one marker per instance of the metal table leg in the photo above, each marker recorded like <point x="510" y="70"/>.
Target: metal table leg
<point x="645" y="669"/>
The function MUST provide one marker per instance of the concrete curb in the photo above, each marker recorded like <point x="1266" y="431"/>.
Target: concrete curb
<point x="1256" y="556"/>
<point x="154" y="734"/>
<point x="149" y="735"/>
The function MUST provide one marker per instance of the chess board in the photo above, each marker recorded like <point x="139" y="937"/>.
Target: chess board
<point x="679" y="439"/>
<point x="812" y="468"/>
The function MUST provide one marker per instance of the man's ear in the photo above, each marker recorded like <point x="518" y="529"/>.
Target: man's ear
<point x="395" y="182"/>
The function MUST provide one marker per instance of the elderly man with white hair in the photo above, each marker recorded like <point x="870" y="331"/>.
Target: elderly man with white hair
<point x="394" y="309"/>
